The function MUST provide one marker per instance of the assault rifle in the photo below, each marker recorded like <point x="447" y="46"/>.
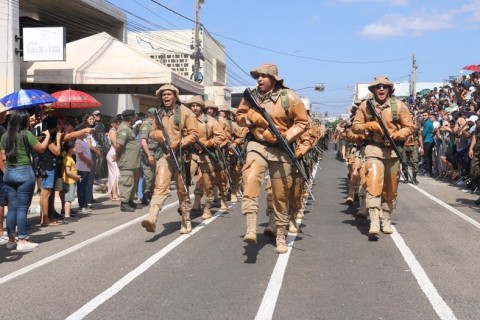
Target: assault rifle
<point x="236" y="153"/>
<point x="169" y="150"/>
<point x="247" y="95"/>
<point x="387" y="136"/>
<point x="224" y="163"/>
<point x="215" y="159"/>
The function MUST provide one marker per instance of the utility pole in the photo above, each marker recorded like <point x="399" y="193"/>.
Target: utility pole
<point x="414" y="77"/>
<point x="196" y="45"/>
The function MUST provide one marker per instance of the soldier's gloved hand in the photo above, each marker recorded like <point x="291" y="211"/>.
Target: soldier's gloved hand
<point x="157" y="135"/>
<point x="397" y="136"/>
<point x="175" y="145"/>
<point x="269" y="136"/>
<point x="373" y="126"/>
<point x="298" y="153"/>
<point x="256" y="119"/>
<point x="207" y="143"/>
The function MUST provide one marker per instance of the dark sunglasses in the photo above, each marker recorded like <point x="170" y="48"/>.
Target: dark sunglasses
<point x="381" y="86"/>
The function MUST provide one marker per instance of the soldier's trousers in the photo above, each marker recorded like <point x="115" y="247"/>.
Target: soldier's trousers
<point x="381" y="178"/>
<point x="410" y="156"/>
<point x="261" y="158"/>
<point x="148" y="176"/>
<point x="163" y="173"/>
<point x="126" y="183"/>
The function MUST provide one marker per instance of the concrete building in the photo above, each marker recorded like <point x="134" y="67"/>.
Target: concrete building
<point x="175" y="49"/>
<point x="89" y="25"/>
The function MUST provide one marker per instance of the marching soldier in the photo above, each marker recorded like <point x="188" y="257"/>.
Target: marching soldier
<point x="410" y="152"/>
<point x="151" y="152"/>
<point x="221" y="179"/>
<point x="289" y="116"/>
<point x="180" y="125"/>
<point x="237" y="135"/>
<point x="127" y="153"/>
<point x="381" y="163"/>
<point x="210" y="135"/>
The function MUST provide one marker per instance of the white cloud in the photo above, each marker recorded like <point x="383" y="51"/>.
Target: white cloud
<point x="397" y="25"/>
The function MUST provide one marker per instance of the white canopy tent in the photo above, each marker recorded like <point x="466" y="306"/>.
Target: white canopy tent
<point x="108" y="65"/>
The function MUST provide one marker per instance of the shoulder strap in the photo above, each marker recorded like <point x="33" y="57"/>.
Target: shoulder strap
<point x="393" y="103"/>
<point x="284" y="99"/>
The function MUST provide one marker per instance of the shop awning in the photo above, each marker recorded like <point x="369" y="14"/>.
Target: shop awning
<point x="103" y="62"/>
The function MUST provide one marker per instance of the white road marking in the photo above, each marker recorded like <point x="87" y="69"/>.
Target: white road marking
<point x="132" y="275"/>
<point x="269" y="301"/>
<point x="76" y="247"/>
<point x="448" y="207"/>
<point x="438" y="304"/>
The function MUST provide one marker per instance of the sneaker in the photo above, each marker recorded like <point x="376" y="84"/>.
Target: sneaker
<point x="27" y="245"/>
<point x="83" y="210"/>
<point x="89" y="208"/>
<point x="3" y="239"/>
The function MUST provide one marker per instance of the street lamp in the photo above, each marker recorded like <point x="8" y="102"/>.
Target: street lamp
<point x="317" y="87"/>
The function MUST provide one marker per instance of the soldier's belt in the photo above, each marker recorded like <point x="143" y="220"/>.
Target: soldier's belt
<point x="268" y="144"/>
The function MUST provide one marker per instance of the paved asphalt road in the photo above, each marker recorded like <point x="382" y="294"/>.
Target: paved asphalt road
<point x="105" y="266"/>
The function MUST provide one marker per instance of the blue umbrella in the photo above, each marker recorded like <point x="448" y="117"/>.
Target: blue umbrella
<point x="24" y="99"/>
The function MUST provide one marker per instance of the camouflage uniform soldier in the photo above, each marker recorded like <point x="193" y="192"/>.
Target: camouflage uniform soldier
<point x="181" y="126"/>
<point x="127" y="152"/>
<point x="265" y="153"/>
<point x="151" y="152"/>
<point x="381" y="163"/>
<point x="410" y="152"/>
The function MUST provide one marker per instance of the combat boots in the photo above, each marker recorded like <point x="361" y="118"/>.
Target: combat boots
<point x="281" y="242"/>
<point x="186" y="226"/>
<point x="146" y="198"/>
<point x="223" y="203"/>
<point x="415" y="181"/>
<point x="251" y="233"/>
<point x="351" y="195"/>
<point x="374" y="222"/>
<point x="362" y="211"/>
<point x="292" y="223"/>
<point x="207" y="213"/>
<point x="125" y="207"/>
<point x="386" y="225"/>
<point x="233" y="198"/>
<point x="197" y="202"/>
<point x="270" y="230"/>
<point x="150" y="222"/>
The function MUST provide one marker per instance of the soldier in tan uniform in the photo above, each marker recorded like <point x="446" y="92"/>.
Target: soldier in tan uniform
<point x="264" y="152"/>
<point x="182" y="129"/>
<point x="236" y="135"/>
<point x="221" y="181"/>
<point x="381" y="163"/>
<point x="210" y="135"/>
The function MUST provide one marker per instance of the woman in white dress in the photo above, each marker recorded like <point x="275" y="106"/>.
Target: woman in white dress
<point x="113" y="172"/>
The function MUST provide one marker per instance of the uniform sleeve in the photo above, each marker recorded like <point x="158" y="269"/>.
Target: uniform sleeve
<point x="144" y="131"/>
<point x="218" y="138"/>
<point x="358" y="124"/>
<point x="298" y="114"/>
<point x="122" y="137"/>
<point x="405" y="120"/>
<point x="241" y="115"/>
<point x="190" y="127"/>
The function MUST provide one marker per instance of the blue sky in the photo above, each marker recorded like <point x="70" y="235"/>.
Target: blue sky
<point x="336" y="42"/>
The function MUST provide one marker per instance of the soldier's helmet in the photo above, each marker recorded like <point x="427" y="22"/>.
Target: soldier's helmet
<point x="211" y="104"/>
<point x="195" y="99"/>
<point x="166" y="87"/>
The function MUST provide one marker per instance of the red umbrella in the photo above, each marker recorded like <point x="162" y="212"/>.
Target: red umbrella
<point x="472" y="67"/>
<point x="74" y="99"/>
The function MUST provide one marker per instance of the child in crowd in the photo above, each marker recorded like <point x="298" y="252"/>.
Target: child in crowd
<point x="70" y="177"/>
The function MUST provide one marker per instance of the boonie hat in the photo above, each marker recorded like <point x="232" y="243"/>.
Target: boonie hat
<point x="210" y="104"/>
<point x="268" y="69"/>
<point x="166" y="87"/>
<point x="380" y="80"/>
<point x="224" y="108"/>
<point x="195" y="99"/>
